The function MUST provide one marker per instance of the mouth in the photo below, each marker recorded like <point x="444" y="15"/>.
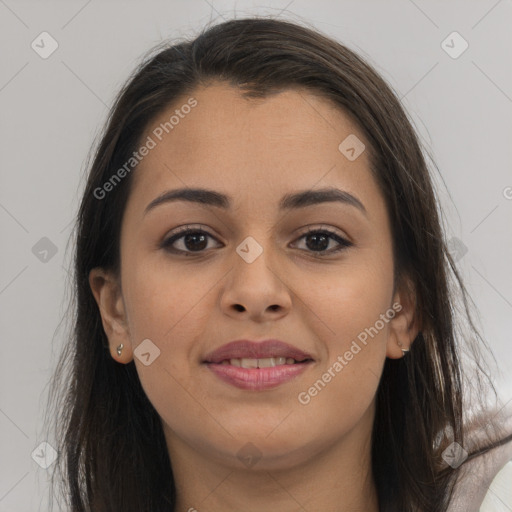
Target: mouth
<point x="257" y="366"/>
<point x="265" y="362"/>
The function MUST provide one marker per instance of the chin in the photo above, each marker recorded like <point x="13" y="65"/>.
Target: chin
<point x="257" y="451"/>
<point x="260" y="457"/>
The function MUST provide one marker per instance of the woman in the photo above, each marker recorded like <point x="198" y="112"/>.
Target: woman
<point x="264" y="297"/>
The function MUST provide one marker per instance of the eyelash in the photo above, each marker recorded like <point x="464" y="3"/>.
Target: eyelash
<point x="167" y="243"/>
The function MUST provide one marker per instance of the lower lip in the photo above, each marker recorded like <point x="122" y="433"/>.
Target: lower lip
<point x="257" y="379"/>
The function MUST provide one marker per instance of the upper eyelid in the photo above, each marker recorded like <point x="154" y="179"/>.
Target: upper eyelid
<point x="313" y="227"/>
<point x="323" y="227"/>
<point x="331" y="231"/>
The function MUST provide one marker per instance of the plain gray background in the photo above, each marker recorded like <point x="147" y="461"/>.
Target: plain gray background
<point x="51" y="110"/>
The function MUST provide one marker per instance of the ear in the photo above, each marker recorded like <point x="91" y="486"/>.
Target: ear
<point x="404" y="326"/>
<point x="107" y="292"/>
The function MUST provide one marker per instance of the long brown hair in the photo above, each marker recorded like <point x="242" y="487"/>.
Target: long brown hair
<point x="113" y="454"/>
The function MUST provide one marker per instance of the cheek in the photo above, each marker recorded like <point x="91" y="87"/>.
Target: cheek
<point x="354" y="336"/>
<point x="350" y="299"/>
<point x="163" y="300"/>
<point x="168" y="308"/>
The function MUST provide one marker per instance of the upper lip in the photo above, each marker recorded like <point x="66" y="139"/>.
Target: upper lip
<point x="239" y="349"/>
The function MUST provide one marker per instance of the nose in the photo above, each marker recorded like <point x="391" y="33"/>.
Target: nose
<point x="256" y="288"/>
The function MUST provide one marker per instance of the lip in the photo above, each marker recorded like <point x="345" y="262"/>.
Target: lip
<point x="255" y="350"/>
<point x="257" y="379"/>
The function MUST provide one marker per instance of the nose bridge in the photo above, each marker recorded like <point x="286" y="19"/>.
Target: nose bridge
<point x="253" y="257"/>
<point x="254" y="283"/>
<point x="257" y="235"/>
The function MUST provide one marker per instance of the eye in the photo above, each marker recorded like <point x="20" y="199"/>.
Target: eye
<point x="318" y="240"/>
<point x="192" y="240"/>
<point x="195" y="240"/>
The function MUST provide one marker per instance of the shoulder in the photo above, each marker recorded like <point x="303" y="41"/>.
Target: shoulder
<point x="499" y="494"/>
<point x="481" y="477"/>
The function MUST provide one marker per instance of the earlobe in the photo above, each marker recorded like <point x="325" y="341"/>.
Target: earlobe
<point x="404" y="327"/>
<point x="107" y="293"/>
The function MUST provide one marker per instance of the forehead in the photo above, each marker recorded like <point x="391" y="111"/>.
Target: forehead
<point x="252" y="149"/>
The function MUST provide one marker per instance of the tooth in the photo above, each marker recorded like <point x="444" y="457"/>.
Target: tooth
<point x="225" y="361"/>
<point x="248" y="363"/>
<point x="266" y="362"/>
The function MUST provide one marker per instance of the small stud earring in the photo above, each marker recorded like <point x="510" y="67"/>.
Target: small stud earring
<point x="119" y="349"/>
<point x="404" y="350"/>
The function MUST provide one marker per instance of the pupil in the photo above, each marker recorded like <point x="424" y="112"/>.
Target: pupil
<point x="191" y="239"/>
<point x="196" y="242"/>
<point x="316" y="237"/>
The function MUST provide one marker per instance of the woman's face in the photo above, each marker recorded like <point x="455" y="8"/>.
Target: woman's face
<point x="252" y="271"/>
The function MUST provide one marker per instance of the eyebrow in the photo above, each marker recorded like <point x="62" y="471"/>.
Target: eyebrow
<point x="296" y="200"/>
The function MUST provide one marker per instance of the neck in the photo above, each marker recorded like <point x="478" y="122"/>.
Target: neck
<point x="336" y="479"/>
